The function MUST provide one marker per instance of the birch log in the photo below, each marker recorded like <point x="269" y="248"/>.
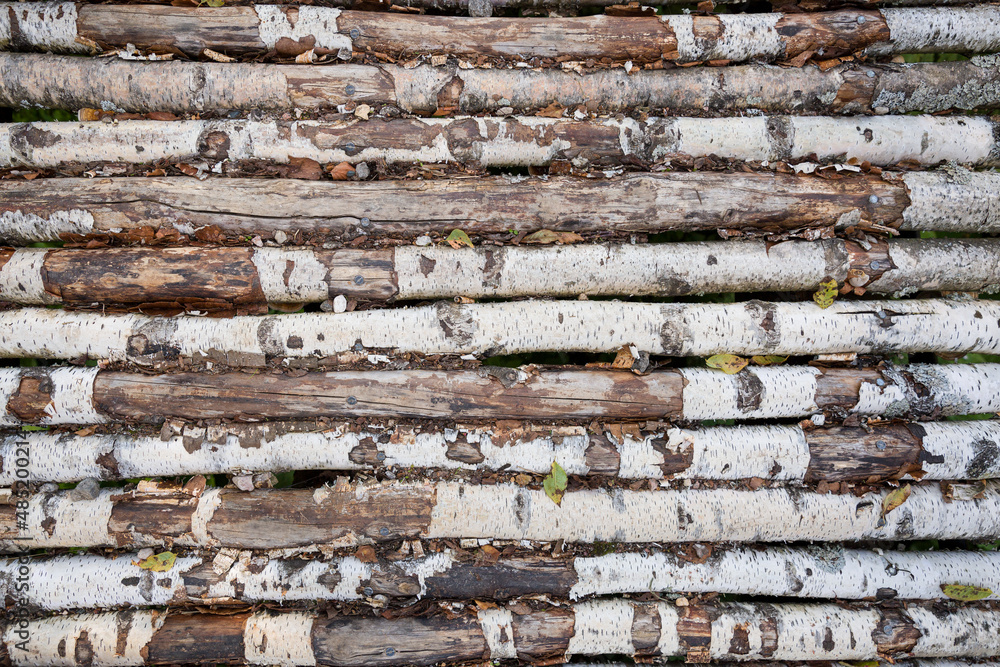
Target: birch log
<point x="939" y="450"/>
<point x="188" y="87"/>
<point x="343" y="515"/>
<point x="87" y="396"/>
<point x="488" y="329"/>
<point x="615" y="626"/>
<point x="96" y="582"/>
<point x="955" y="200"/>
<point x="733" y="37"/>
<point x="231" y="281"/>
<point x="516" y="141"/>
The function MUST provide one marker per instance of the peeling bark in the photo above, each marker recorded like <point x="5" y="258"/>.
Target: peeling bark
<point x="511" y="141"/>
<point x="344" y="514"/>
<point x="804" y="632"/>
<point x="186" y="87"/>
<point x="228" y="281"/>
<point x="942" y="450"/>
<point x="43" y="209"/>
<point x="750" y="328"/>
<point x="85" y="396"/>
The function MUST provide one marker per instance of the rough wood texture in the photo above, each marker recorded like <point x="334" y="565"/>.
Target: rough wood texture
<point x="186" y="87"/>
<point x="76" y="396"/>
<point x="500" y="328"/>
<point x="931" y="450"/>
<point x="607" y="627"/>
<point x="514" y="141"/>
<point x="342" y="515"/>
<point x="240" y="281"/>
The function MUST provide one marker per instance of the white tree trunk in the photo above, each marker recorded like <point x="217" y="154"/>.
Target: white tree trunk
<point x="88" y="581"/>
<point x="953" y="200"/>
<point x="752" y="328"/>
<point x="513" y="141"/>
<point x="66" y="82"/>
<point x="345" y="514"/>
<point x="739" y="631"/>
<point x="957" y="450"/>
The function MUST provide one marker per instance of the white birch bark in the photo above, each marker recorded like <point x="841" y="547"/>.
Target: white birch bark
<point x="39" y="210"/>
<point x="958" y="450"/>
<point x="797" y="632"/>
<point x="517" y="513"/>
<point x="940" y="30"/>
<point x="86" y="581"/>
<point x="751" y="328"/>
<point x="190" y="87"/>
<point x="501" y="142"/>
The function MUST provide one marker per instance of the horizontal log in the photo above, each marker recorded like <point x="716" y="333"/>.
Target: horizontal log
<point x="615" y="626"/>
<point x="188" y="87"/>
<point x="44" y="209"/>
<point x="87" y="581"/>
<point x="940" y="450"/>
<point x="231" y="281"/>
<point x="342" y="515"/>
<point x="732" y="37"/>
<point x="488" y="329"/>
<point x="88" y="396"/>
<point x="508" y="142"/>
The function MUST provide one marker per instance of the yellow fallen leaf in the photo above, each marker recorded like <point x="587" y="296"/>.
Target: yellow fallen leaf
<point x="768" y="360"/>
<point x="826" y="293"/>
<point x="555" y="483"/>
<point x="546" y="236"/>
<point x="893" y="499"/>
<point x="458" y="238"/>
<point x="729" y="364"/>
<point x="965" y="593"/>
<point x="158" y="562"/>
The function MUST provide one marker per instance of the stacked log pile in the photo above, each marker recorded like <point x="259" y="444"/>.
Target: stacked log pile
<point x="401" y="333"/>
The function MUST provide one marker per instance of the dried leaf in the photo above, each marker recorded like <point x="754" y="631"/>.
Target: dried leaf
<point x="490" y="554"/>
<point x="306" y="58"/>
<point x="304" y="168"/>
<point x="826" y="294"/>
<point x="965" y="593"/>
<point x="216" y="56"/>
<point x="158" y="562"/>
<point x="546" y="236"/>
<point x="458" y="238"/>
<point x="625" y="358"/>
<point x="727" y="363"/>
<point x="768" y="360"/>
<point x="83" y="432"/>
<point x="88" y="115"/>
<point x="366" y="554"/>
<point x="341" y="172"/>
<point x="485" y="605"/>
<point x="195" y="486"/>
<point x="215" y="3"/>
<point x="555" y="483"/>
<point x="554" y="110"/>
<point x="893" y="499"/>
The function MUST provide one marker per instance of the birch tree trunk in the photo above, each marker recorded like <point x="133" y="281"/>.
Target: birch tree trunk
<point x="680" y="330"/>
<point x="86" y="396"/>
<point x="231" y="281"/>
<point x="516" y="141"/>
<point x="346" y="514"/>
<point x="939" y="450"/>
<point x="86" y="581"/>
<point x="732" y="630"/>
<point x="731" y="37"/>
<point x="189" y="87"/>
<point x="43" y="209"/>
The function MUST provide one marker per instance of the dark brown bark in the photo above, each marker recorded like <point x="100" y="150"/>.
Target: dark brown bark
<point x="672" y="201"/>
<point x="855" y="454"/>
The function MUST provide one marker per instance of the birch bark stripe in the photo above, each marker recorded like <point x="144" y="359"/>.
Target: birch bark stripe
<point x="736" y="37"/>
<point x="780" y="631"/>
<point x="514" y="141"/>
<point x="236" y="280"/>
<point x="188" y="87"/>
<point x="751" y="328"/>
<point x="762" y="393"/>
<point x="345" y="514"/>
<point x="85" y="581"/>
<point x="944" y="450"/>
<point x="954" y="200"/>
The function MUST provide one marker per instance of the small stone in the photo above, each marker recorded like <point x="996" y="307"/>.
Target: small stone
<point x="755" y="483"/>
<point x="681" y="601"/>
<point x="340" y="304"/>
<point x="423" y="241"/>
<point x="362" y="170"/>
<point x="505" y="111"/>
<point x="363" y="111"/>
<point x="87" y="489"/>
<point x="243" y="482"/>
<point x="48" y="487"/>
<point x="881" y="111"/>
<point x="144" y="553"/>
<point x="326" y="306"/>
<point x="280" y="236"/>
